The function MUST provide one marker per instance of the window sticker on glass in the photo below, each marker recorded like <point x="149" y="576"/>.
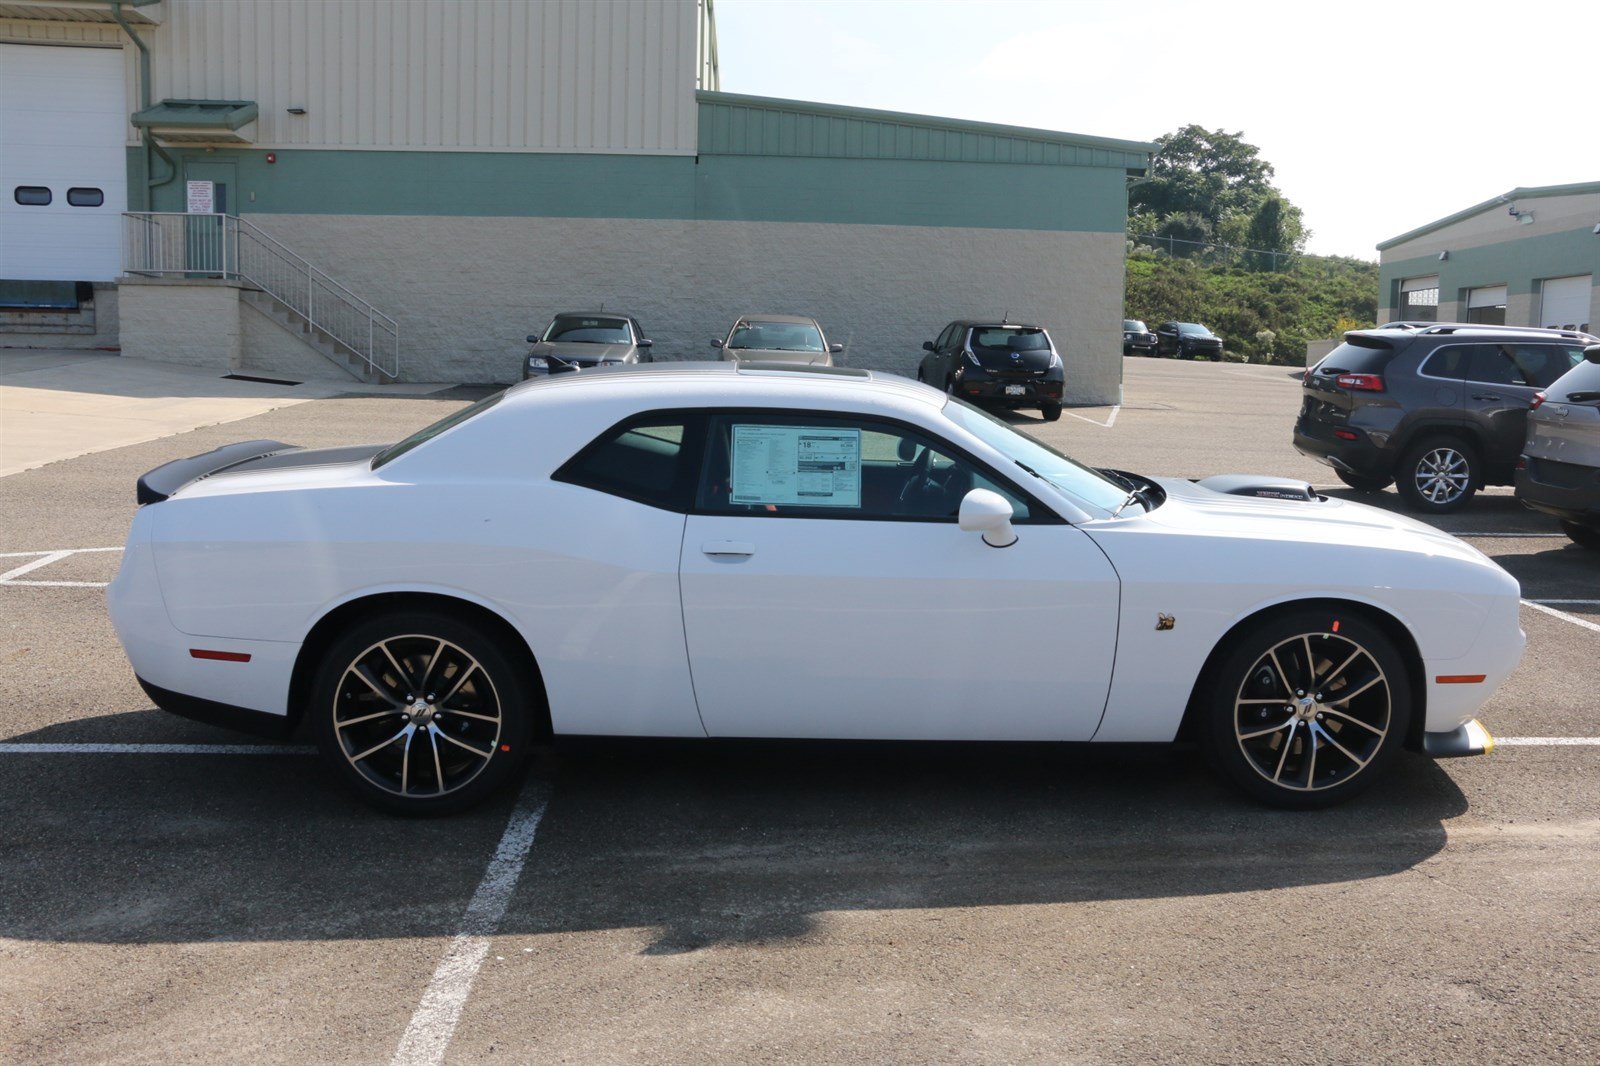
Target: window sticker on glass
<point x="801" y="466"/>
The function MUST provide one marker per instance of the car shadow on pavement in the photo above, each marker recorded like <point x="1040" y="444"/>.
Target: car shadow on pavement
<point x="699" y="843"/>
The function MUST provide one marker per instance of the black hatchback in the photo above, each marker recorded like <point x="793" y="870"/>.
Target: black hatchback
<point x="997" y="364"/>
<point x="1438" y="410"/>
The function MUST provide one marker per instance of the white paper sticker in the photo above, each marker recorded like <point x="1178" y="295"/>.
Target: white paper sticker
<point x="800" y="466"/>
<point x="202" y="197"/>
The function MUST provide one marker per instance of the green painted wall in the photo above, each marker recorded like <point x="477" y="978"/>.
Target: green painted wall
<point x="1517" y="264"/>
<point x="901" y="192"/>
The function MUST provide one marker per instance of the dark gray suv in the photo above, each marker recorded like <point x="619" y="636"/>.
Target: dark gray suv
<point x="1438" y="409"/>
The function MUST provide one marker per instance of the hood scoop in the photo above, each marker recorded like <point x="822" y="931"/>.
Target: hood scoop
<point x="1262" y="488"/>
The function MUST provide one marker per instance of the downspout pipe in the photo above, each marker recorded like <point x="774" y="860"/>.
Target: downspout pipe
<point x="145" y="137"/>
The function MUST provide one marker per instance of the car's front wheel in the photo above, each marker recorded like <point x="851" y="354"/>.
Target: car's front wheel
<point x="422" y="713"/>
<point x="1308" y="708"/>
<point x="1439" y="475"/>
<point x="1583" y="536"/>
<point x="1362" y="483"/>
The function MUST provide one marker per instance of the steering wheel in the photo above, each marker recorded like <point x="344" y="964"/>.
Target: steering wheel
<point x="919" y="485"/>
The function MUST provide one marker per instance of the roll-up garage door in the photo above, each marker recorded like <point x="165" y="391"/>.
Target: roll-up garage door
<point x="63" y="167"/>
<point x="1564" y="302"/>
<point x="1487" y="305"/>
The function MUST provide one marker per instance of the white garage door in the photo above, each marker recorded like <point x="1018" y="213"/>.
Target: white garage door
<point x="63" y="167"/>
<point x="1564" y="302"/>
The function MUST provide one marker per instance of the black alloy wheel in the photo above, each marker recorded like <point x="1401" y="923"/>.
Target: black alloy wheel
<point x="420" y="713"/>
<point x="1308" y="708"/>
<point x="1050" y="412"/>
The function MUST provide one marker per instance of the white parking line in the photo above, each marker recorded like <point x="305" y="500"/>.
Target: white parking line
<point x="1110" y="421"/>
<point x="29" y="748"/>
<point x="13" y="576"/>
<point x="1509" y="536"/>
<point x="434" y="1024"/>
<point x="1547" y="742"/>
<point x="1563" y="615"/>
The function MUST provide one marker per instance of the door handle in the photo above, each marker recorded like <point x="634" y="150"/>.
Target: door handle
<point x="728" y="547"/>
<point x="1485" y="396"/>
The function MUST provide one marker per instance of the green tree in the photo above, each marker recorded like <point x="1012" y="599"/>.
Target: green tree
<point x="1275" y="234"/>
<point x="1210" y="173"/>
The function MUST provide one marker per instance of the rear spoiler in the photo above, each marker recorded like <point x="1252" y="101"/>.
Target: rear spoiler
<point x="163" y="481"/>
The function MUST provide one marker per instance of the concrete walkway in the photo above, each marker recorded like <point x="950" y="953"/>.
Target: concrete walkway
<point x="57" y="404"/>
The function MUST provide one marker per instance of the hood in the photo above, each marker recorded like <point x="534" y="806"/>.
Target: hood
<point x="579" y="351"/>
<point x="779" y="355"/>
<point x="1199" y="508"/>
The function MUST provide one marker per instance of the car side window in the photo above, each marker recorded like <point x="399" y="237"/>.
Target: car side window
<point x="1542" y="364"/>
<point x="1492" y="364"/>
<point x="826" y="466"/>
<point x="1446" y="363"/>
<point x="948" y="340"/>
<point x="649" y="460"/>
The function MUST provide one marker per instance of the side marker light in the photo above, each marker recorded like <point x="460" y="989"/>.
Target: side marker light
<point x="220" y="656"/>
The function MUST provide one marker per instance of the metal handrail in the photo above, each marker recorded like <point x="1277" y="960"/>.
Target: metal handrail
<point x="158" y="243"/>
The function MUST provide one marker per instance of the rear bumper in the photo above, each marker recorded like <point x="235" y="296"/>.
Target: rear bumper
<point x="1359" y="456"/>
<point x="1564" y="490"/>
<point x="993" y="390"/>
<point x="226" y="715"/>
<point x="1468" y="738"/>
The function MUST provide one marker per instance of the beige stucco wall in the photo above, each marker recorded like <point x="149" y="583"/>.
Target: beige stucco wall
<point x="189" y="321"/>
<point x="466" y="290"/>
<point x="266" y="347"/>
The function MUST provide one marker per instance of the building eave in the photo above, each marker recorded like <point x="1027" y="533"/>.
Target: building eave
<point x="1581" y="188"/>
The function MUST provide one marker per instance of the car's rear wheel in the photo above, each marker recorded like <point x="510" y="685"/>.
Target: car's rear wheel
<point x="1362" y="483"/>
<point x="1583" y="536"/>
<point x="1050" y="412"/>
<point x="1439" y="475"/>
<point x="422" y="713"/>
<point x="1308" y="708"/>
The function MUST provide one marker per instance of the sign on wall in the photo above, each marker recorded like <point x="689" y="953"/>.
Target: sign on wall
<point x="202" y="197"/>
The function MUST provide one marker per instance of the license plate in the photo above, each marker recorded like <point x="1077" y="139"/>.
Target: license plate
<point x="1015" y="390"/>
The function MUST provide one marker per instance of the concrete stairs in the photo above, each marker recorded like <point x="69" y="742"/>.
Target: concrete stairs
<point x="314" y="337"/>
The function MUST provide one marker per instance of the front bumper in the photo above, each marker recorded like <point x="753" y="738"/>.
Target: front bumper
<point x="1468" y="738"/>
<point x="1565" y="490"/>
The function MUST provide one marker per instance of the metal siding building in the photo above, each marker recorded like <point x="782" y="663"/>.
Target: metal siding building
<point x="471" y="168"/>
<point x="1529" y="257"/>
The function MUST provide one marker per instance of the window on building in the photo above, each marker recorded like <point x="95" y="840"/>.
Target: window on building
<point x="31" y="195"/>
<point x="82" y="197"/>
<point x="1419" y="299"/>
<point x="1487" y="306"/>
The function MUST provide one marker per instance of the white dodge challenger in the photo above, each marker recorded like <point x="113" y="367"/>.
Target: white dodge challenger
<point x="721" y="550"/>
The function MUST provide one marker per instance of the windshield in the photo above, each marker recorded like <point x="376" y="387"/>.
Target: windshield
<point x="582" y="329"/>
<point x="423" y="436"/>
<point x="1041" y="460"/>
<point x="777" y="336"/>
<point x="1133" y="325"/>
<point x="1193" y="329"/>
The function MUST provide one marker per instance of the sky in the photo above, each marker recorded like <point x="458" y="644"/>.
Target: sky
<point x="1377" y="117"/>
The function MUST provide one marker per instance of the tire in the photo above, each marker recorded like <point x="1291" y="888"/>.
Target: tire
<point x="1256" y="730"/>
<point x="1583" y="536"/>
<point x="1050" y="412"/>
<point x="478" y="733"/>
<point x="1362" y="483"/>
<point x="1439" y="475"/>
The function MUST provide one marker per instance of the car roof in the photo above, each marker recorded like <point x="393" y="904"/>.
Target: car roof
<point x="735" y="378"/>
<point x="989" y="323"/>
<point x="1451" y="329"/>
<point x="802" y="319"/>
<point x="592" y="314"/>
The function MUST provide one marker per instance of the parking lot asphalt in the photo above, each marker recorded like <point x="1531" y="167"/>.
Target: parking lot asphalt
<point x="780" y="903"/>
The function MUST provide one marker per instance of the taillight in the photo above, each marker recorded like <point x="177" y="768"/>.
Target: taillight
<point x="1361" y="382"/>
<point x="1538" y="398"/>
<point x="1345" y="434"/>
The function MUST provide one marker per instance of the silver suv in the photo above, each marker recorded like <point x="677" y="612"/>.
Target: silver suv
<point x="1559" y="472"/>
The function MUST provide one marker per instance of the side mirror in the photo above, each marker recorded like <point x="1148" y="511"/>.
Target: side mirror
<point x="645" y="344"/>
<point x="927" y="346"/>
<point x="1592" y="353"/>
<point x="986" y="511"/>
<point x="835" y="349"/>
<point x="533" y="338"/>
<point x="716" y="344"/>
